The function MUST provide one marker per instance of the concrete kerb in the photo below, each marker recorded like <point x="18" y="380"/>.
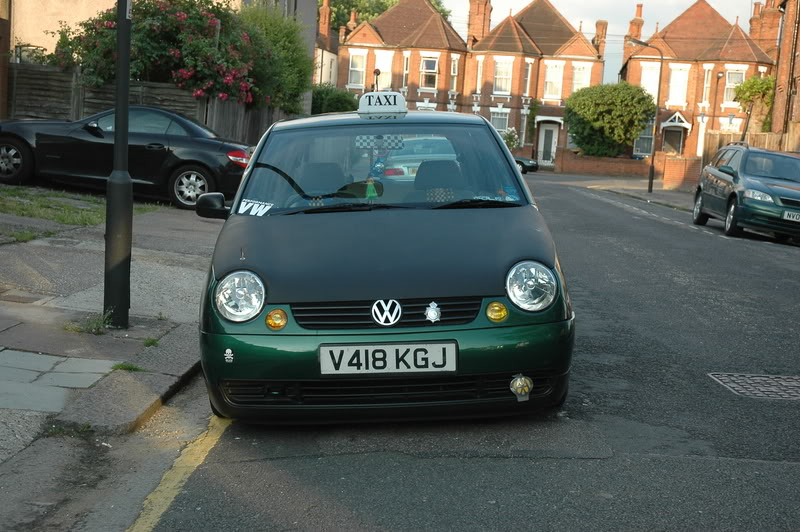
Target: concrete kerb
<point x="124" y="400"/>
<point x="654" y="200"/>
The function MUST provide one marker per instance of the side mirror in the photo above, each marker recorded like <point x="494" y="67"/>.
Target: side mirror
<point x="91" y="126"/>
<point x="212" y="205"/>
<point x="725" y="169"/>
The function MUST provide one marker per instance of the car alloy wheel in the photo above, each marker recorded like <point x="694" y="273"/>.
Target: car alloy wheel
<point x="521" y="168"/>
<point x="16" y="161"/>
<point x="187" y="184"/>
<point x="732" y="220"/>
<point x="698" y="218"/>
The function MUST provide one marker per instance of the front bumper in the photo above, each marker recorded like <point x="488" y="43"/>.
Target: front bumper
<point x="763" y="216"/>
<point x="276" y="378"/>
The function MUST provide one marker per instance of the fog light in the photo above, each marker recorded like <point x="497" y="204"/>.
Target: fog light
<point x="496" y="312"/>
<point x="276" y="319"/>
<point x="521" y="387"/>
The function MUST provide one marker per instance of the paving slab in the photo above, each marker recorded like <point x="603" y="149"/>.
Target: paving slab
<point x="69" y="380"/>
<point x="85" y="365"/>
<point x="6" y="323"/>
<point x="24" y="396"/>
<point x="56" y="341"/>
<point x="18" y="428"/>
<point x="50" y="270"/>
<point x="17" y="375"/>
<point x="177" y="353"/>
<point x="120" y="402"/>
<point x="26" y="360"/>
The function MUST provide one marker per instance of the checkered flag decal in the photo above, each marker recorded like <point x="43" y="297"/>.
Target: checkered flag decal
<point x="381" y="142"/>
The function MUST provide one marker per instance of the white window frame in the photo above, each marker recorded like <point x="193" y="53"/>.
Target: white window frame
<point x="499" y="113"/>
<point x="523" y="128"/>
<point x="384" y="58"/>
<point x="584" y="67"/>
<point x="647" y="133"/>
<point x="454" y="59"/>
<point x="363" y="70"/>
<point x="708" y="71"/>
<point x="406" y="67"/>
<point x="428" y="56"/>
<point x="678" y="84"/>
<point x="502" y="85"/>
<point x="553" y="79"/>
<point x="479" y="78"/>
<point x="729" y="102"/>
<point x="527" y="79"/>
<point x="650" y="78"/>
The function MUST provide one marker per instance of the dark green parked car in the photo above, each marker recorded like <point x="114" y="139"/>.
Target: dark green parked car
<point x="751" y="188"/>
<point x="341" y="292"/>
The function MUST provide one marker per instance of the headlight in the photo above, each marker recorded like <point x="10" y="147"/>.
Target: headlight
<point x="240" y="296"/>
<point x="531" y="286"/>
<point x="757" y="195"/>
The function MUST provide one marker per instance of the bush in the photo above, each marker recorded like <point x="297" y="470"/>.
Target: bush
<point x="326" y="98"/>
<point x="511" y="138"/>
<point x="606" y="119"/>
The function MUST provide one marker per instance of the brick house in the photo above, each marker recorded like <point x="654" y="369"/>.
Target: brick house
<point x="785" y="111"/>
<point x="704" y="59"/>
<point x="326" y="48"/>
<point x="535" y="54"/>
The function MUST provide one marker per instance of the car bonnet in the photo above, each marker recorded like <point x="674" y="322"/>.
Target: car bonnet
<point x="350" y="256"/>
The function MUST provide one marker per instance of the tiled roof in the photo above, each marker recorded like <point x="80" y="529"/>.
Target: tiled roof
<point x="545" y="26"/>
<point x="735" y="46"/>
<point x="508" y="36"/>
<point x="417" y="24"/>
<point x="329" y="44"/>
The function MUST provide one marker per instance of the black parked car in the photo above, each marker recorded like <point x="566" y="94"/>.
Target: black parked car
<point x="170" y="154"/>
<point x="526" y="165"/>
<point x="751" y="188"/>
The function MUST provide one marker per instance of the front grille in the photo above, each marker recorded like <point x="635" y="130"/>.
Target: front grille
<point x="776" y="223"/>
<point x="358" y="314"/>
<point x="789" y="202"/>
<point x="377" y="391"/>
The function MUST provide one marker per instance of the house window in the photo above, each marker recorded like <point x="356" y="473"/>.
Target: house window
<point x="500" y="121"/>
<point x="678" y="83"/>
<point x="358" y="63"/>
<point x="651" y="77"/>
<point x="526" y="81"/>
<point x="523" y="128"/>
<point x="580" y="76"/>
<point x="406" y="62"/>
<point x="479" y="78"/>
<point x="732" y="80"/>
<point x="554" y="74"/>
<point x="707" y="85"/>
<point x="383" y="62"/>
<point x="673" y="140"/>
<point x="454" y="73"/>
<point x="429" y="72"/>
<point x="644" y="144"/>
<point x="502" y="75"/>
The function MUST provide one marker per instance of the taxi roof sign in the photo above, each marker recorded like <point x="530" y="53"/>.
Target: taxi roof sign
<point x="378" y="105"/>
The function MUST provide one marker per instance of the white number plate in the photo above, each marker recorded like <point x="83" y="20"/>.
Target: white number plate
<point x="387" y="358"/>
<point x="793" y="216"/>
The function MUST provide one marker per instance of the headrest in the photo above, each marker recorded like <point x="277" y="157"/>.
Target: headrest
<point x="321" y="178"/>
<point x="438" y="174"/>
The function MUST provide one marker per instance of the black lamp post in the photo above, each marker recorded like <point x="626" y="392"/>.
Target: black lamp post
<point x="119" y="191"/>
<point x="652" y="173"/>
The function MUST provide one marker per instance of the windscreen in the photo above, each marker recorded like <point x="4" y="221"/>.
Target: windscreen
<point x="413" y="165"/>
<point x="773" y="165"/>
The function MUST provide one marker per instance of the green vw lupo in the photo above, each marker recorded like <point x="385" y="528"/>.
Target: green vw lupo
<point x="343" y="289"/>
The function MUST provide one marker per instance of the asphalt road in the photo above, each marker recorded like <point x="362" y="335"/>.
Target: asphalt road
<point x="646" y="440"/>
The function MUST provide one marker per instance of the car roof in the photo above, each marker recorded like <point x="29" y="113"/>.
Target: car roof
<point x="755" y="149"/>
<point x="353" y="119"/>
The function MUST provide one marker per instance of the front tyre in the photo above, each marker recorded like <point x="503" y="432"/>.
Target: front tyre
<point x="698" y="217"/>
<point x="187" y="184"/>
<point x="521" y="168"/>
<point x="16" y="161"/>
<point x="732" y="219"/>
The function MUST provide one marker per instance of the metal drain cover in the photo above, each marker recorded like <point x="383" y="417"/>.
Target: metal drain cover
<point x="760" y="386"/>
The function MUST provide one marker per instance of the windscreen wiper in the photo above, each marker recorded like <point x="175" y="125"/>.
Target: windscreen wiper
<point x="347" y="207"/>
<point x="475" y="203"/>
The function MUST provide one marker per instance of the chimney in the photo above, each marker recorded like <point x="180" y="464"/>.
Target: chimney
<point x="342" y="34"/>
<point x="755" y="23"/>
<point x="770" y="28"/>
<point x="325" y="18"/>
<point x="599" y="41"/>
<point x="634" y="32"/>
<point x="352" y="23"/>
<point x="480" y="14"/>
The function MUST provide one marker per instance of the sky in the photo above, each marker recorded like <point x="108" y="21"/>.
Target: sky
<point x="617" y="12"/>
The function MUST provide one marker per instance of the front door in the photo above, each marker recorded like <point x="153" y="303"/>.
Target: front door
<point x="548" y="140"/>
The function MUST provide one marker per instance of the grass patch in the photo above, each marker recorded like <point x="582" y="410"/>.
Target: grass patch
<point x="126" y="366"/>
<point x="27" y="236"/>
<point x="162" y="317"/>
<point x="150" y="342"/>
<point x="56" y="430"/>
<point x="93" y="324"/>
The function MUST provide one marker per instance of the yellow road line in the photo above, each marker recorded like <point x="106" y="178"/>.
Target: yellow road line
<point x="173" y="480"/>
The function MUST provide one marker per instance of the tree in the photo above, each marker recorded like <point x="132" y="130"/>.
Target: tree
<point x="605" y="119"/>
<point x="760" y="94"/>
<point x="368" y="9"/>
<point x="326" y="98"/>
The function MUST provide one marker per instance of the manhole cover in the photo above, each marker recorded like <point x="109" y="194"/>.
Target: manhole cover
<point x="760" y="386"/>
